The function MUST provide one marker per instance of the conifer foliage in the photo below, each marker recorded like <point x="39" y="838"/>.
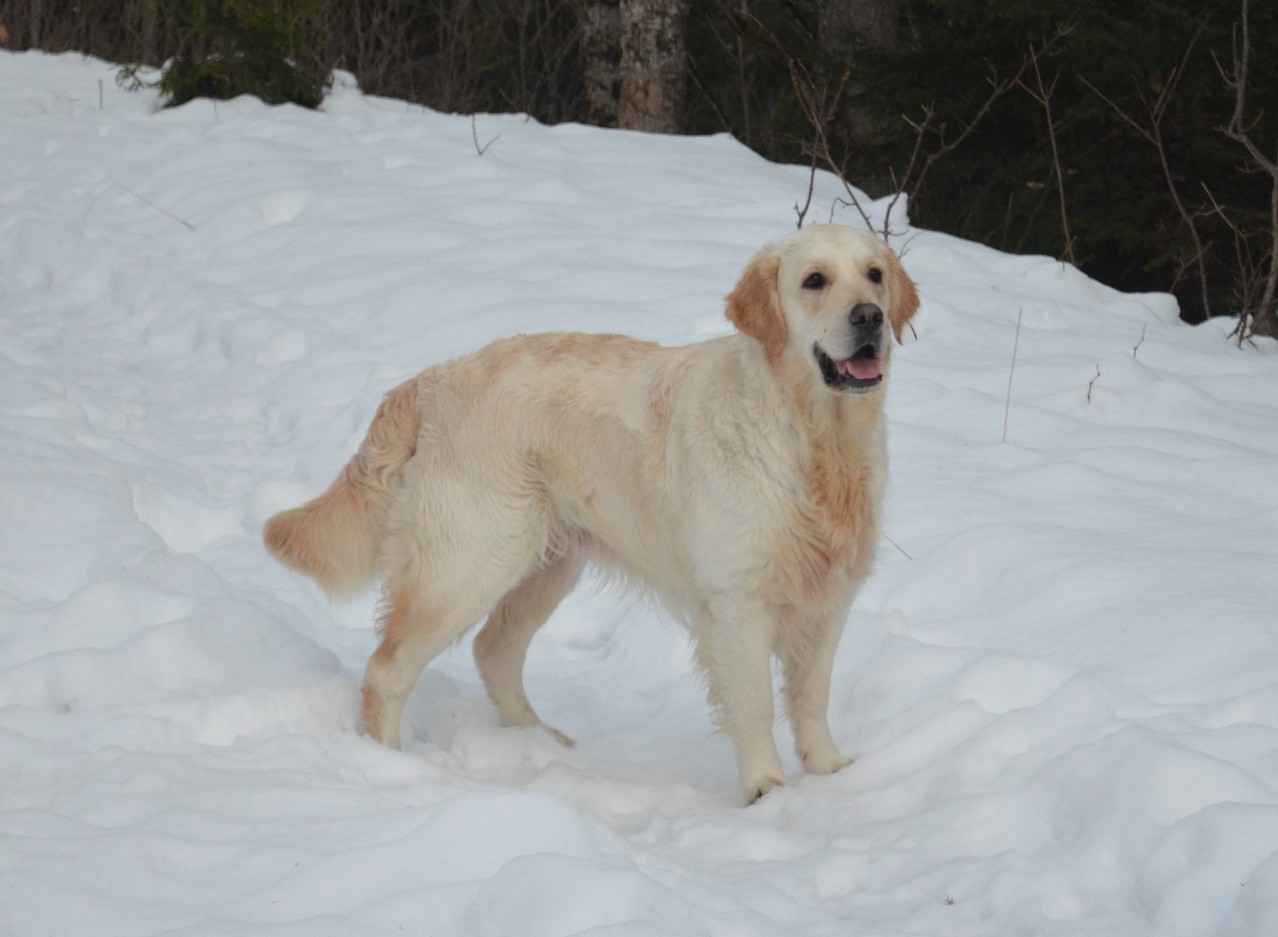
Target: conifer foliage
<point x="277" y="51"/>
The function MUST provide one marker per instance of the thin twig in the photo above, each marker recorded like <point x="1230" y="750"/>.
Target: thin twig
<point x="474" y="134"/>
<point x="898" y="547"/>
<point x="1154" y="134"/>
<point x="1092" y="383"/>
<point x="1044" y="97"/>
<point x="1239" y="131"/>
<point x="167" y="214"/>
<point x="1007" y="408"/>
<point x="820" y="109"/>
<point x="897" y="186"/>
<point x="803" y="212"/>
<point x="1000" y="88"/>
<point x="1138" y="344"/>
<point x="1251" y="278"/>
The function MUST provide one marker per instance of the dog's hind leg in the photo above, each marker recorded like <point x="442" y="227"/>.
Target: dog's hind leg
<point x="502" y="644"/>
<point x="415" y="629"/>
<point x="460" y="544"/>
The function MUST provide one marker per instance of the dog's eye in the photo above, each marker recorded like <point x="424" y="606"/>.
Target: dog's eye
<point x="875" y="275"/>
<point x="815" y="282"/>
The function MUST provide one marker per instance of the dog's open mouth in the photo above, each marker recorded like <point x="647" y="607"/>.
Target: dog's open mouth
<point x="861" y="372"/>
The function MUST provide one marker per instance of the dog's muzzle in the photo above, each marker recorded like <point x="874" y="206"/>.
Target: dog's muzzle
<point x="862" y="371"/>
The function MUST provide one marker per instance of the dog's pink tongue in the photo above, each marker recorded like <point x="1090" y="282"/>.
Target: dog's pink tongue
<point x="863" y="369"/>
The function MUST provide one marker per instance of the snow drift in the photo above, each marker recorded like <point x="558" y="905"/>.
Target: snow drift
<point x="1061" y="681"/>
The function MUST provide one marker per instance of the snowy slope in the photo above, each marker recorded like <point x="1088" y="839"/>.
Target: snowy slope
<point x="1061" y="682"/>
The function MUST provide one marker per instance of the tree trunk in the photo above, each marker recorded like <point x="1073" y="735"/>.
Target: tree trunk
<point x="601" y="60"/>
<point x="37" y="23"/>
<point x="654" y="66"/>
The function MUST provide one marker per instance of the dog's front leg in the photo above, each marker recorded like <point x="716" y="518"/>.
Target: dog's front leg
<point x="808" y="662"/>
<point x="734" y="648"/>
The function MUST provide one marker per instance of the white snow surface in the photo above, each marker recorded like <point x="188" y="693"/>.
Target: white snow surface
<point x="1061" y="682"/>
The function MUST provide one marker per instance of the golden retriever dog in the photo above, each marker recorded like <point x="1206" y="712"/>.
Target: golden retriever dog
<point x="738" y="479"/>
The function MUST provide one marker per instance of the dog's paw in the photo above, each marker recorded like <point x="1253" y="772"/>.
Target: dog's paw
<point x="754" y="789"/>
<point x="825" y="762"/>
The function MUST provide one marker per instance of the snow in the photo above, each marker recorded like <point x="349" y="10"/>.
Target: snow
<point x="1061" y="682"/>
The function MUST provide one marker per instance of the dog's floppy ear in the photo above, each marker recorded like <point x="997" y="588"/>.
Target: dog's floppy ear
<point x="905" y="298"/>
<point x="754" y="306"/>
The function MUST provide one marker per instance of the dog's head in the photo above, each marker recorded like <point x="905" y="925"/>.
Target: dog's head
<point x="826" y="296"/>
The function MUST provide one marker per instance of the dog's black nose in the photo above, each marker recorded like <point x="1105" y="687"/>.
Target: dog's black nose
<point x="865" y="315"/>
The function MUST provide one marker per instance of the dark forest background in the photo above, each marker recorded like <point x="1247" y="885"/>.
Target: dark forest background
<point x="1137" y="140"/>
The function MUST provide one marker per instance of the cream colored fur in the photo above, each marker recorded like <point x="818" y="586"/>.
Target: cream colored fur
<point x="728" y="477"/>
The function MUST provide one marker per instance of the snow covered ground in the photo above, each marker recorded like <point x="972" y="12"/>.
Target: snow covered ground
<point x="1061" y="682"/>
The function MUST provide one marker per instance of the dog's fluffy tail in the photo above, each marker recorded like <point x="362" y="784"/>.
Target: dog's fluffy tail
<point x="336" y="539"/>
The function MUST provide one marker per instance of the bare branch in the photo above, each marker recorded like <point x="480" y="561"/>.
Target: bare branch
<point x="1139" y="128"/>
<point x="474" y="134"/>
<point x="1254" y="311"/>
<point x="1000" y="88"/>
<point x="820" y="108"/>
<point x="897" y="185"/>
<point x="1007" y="409"/>
<point x="1237" y="129"/>
<point x="1153" y="132"/>
<point x="803" y="212"/>
<point x="1043" y="96"/>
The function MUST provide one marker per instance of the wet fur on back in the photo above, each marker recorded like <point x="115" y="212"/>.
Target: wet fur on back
<point x="739" y="479"/>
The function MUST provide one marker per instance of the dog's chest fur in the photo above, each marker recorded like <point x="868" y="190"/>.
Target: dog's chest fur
<point x="828" y="544"/>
